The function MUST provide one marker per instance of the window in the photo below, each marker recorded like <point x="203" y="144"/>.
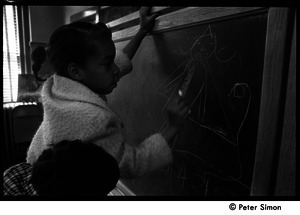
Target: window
<point x="11" y="53"/>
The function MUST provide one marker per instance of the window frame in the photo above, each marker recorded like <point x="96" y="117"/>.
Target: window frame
<point x="24" y="39"/>
<point x="23" y="29"/>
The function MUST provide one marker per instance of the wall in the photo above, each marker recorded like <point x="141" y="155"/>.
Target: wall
<point x="71" y="10"/>
<point x="43" y="21"/>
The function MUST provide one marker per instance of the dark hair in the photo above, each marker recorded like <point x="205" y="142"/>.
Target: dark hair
<point x="74" y="42"/>
<point x="73" y="168"/>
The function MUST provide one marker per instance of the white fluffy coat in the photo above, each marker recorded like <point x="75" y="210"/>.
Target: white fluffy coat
<point x="72" y="111"/>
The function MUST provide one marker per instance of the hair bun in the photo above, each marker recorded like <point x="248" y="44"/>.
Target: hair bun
<point x="39" y="54"/>
<point x="36" y="68"/>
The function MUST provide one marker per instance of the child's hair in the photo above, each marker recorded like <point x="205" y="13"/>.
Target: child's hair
<point x="73" y="42"/>
<point x="74" y="168"/>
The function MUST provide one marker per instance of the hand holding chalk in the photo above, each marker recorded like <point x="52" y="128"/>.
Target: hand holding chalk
<point x="177" y="110"/>
<point x="185" y="85"/>
<point x="181" y="94"/>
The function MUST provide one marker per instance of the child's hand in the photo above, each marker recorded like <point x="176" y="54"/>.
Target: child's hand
<point x="177" y="109"/>
<point x="146" y="21"/>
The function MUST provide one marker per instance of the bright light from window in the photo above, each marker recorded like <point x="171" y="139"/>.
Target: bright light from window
<point x="11" y="54"/>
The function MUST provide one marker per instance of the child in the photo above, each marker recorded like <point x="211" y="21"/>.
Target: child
<point x="74" y="101"/>
<point x="68" y="168"/>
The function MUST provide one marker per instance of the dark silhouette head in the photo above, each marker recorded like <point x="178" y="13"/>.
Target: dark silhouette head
<point x="74" y="168"/>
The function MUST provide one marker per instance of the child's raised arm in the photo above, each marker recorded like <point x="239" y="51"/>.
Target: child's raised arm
<point x="146" y="24"/>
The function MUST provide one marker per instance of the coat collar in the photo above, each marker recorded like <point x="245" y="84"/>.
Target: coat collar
<point x="67" y="89"/>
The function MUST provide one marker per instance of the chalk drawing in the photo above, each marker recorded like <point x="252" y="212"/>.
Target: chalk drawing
<point x="205" y="47"/>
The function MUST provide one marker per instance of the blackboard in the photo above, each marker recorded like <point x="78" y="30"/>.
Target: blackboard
<point x="215" y="151"/>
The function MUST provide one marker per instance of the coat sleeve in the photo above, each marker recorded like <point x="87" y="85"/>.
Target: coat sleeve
<point x="151" y="154"/>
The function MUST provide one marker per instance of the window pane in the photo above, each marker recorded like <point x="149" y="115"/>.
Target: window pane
<point x="11" y="54"/>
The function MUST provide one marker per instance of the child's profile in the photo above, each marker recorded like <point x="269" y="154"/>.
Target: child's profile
<point x="87" y="68"/>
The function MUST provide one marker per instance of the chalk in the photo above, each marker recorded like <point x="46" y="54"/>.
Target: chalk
<point x="186" y="82"/>
<point x="180" y="93"/>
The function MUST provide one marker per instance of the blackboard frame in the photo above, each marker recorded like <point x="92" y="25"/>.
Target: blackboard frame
<point x="275" y="65"/>
<point x="271" y="109"/>
<point x="178" y="18"/>
<point x="286" y="173"/>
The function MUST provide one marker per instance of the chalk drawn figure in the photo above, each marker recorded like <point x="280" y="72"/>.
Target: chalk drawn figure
<point x="225" y="120"/>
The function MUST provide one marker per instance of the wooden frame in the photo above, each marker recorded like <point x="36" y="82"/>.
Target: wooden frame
<point x="269" y="137"/>
<point x="286" y="180"/>
<point x="271" y="110"/>
<point x="173" y="18"/>
<point x="133" y="18"/>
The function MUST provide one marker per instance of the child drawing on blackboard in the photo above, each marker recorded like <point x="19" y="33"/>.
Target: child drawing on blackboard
<point x="87" y="68"/>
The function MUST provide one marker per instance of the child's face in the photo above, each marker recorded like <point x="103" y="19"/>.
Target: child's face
<point x="100" y="73"/>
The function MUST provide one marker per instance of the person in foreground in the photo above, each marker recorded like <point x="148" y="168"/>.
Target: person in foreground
<point x="65" y="169"/>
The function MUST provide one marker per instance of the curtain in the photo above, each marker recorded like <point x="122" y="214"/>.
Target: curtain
<point x="11" y="53"/>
